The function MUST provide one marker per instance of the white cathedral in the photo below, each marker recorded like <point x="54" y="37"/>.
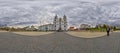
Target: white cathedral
<point x="58" y="24"/>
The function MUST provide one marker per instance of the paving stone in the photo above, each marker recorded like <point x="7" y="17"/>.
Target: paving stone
<point x="58" y="42"/>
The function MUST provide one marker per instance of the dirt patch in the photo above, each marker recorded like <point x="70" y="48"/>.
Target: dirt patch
<point x="32" y="33"/>
<point x="3" y="31"/>
<point x="87" y="34"/>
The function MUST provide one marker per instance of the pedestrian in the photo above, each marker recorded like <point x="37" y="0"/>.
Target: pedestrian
<point x="108" y="30"/>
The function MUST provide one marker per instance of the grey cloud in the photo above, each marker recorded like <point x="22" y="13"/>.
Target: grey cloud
<point x="34" y="12"/>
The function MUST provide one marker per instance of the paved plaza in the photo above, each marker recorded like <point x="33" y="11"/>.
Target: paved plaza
<point x="58" y="42"/>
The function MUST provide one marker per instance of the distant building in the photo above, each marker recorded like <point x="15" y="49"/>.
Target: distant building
<point x="58" y="24"/>
<point x="71" y="28"/>
<point x="47" y="27"/>
<point x="102" y="26"/>
<point x="82" y="26"/>
<point x="117" y="27"/>
<point x="3" y="25"/>
<point x="30" y="28"/>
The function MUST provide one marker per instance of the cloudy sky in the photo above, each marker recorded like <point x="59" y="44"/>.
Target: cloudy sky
<point x="27" y="12"/>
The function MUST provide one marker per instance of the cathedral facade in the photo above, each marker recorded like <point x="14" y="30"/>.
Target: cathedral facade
<point x="60" y="23"/>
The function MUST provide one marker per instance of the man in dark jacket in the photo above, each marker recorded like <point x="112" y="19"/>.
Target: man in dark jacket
<point x="108" y="30"/>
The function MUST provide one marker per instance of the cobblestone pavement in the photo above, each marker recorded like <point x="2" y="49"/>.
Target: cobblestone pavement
<point x="58" y="42"/>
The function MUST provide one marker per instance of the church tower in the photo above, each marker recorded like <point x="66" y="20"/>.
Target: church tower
<point x="65" y="22"/>
<point x="55" y="22"/>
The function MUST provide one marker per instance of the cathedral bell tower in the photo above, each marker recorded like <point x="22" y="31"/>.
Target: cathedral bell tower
<point x="65" y="22"/>
<point x="55" y="22"/>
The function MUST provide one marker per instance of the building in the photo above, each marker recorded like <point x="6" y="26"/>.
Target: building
<point x="30" y="28"/>
<point x="47" y="27"/>
<point x="71" y="28"/>
<point x="58" y="24"/>
<point x="82" y="26"/>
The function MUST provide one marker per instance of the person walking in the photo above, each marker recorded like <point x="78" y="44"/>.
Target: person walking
<point x="108" y="30"/>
